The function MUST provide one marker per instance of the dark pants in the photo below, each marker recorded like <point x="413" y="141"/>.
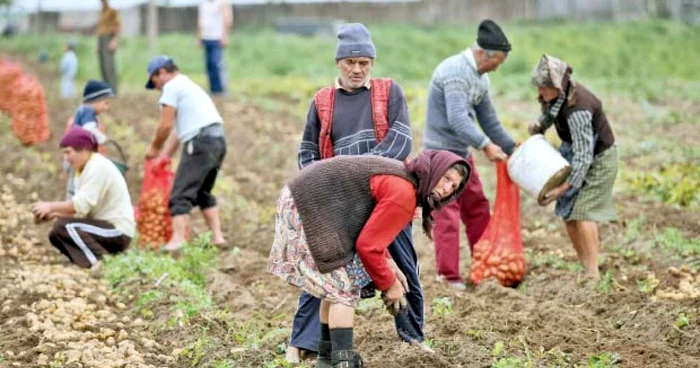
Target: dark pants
<point x="306" y="328"/>
<point x="107" y="64"/>
<point x="200" y="163"/>
<point x="85" y="241"/>
<point x="216" y="69"/>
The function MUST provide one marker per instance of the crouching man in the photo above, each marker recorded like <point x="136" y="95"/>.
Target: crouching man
<point x="99" y="219"/>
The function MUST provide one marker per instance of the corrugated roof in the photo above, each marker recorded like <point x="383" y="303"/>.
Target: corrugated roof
<point x="32" y="6"/>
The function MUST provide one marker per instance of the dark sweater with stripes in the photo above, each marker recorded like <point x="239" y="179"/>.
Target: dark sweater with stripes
<point x="353" y="129"/>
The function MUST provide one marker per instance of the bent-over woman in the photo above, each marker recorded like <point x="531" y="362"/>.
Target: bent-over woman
<point x="335" y="220"/>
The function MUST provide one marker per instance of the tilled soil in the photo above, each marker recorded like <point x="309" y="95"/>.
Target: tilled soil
<point x="53" y="312"/>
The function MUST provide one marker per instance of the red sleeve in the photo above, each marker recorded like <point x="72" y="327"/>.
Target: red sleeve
<point x="396" y="203"/>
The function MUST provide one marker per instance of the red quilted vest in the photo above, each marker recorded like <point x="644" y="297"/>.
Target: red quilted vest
<point x="325" y="101"/>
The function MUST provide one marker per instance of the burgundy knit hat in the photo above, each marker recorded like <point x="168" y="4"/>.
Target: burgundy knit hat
<point x="429" y="167"/>
<point x="79" y="139"/>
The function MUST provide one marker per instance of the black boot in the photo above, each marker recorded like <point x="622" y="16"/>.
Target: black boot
<point x="324" y="354"/>
<point x="346" y="359"/>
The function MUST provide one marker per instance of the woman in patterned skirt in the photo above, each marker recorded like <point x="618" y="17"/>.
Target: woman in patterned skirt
<point x="334" y="222"/>
<point x="588" y="143"/>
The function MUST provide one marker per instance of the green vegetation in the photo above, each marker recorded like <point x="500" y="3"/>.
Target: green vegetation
<point x="299" y="64"/>
<point x="497" y="348"/>
<point x="510" y="362"/>
<point x="280" y="73"/>
<point x="604" y="360"/>
<point x="674" y="183"/>
<point x="179" y="298"/>
<point x="634" y="229"/>
<point x="182" y="281"/>
<point x="673" y="239"/>
<point x="501" y="361"/>
<point x="648" y="284"/>
<point x="57" y="361"/>
<point x="553" y="358"/>
<point x="475" y="333"/>
<point x="442" y="307"/>
<point x="554" y="261"/>
<point x="682" y="321"/>
<point x="606" y="283"/>
<point x="677" y="329"/>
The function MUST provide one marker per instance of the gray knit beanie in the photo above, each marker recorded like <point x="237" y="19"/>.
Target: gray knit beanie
<point x="354" y="40"/>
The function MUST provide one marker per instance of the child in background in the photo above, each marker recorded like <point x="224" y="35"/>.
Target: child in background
<point x="69" y="68"/>
<point x="96" y="96"/>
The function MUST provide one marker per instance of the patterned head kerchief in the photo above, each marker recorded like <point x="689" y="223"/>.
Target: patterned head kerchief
<point x="551" y="72"/>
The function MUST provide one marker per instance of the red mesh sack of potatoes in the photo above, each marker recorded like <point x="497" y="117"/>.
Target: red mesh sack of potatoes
<point x="9" y="74"/>
<point x="499" y="252"/>
<point x="153" y="222"/>
<point x="30" y="118"/>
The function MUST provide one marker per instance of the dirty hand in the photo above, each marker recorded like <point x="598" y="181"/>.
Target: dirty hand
<point x="396" y="307"/>
<point x="494" y="152"/>
<point x="555" y="193"/>
<point x="394" y="299"/>
<point x="534" y="128"/>
<point x="42" y="210"/>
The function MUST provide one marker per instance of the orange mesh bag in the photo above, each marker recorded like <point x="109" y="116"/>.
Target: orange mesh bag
<point x="499" y="252"/>
<point x="30" y="118"/>
<point x="10" y="73"/>
<point x="153" y="216"/>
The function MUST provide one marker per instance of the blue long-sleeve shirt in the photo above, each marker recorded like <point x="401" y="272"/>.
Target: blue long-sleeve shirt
<point x="457" y="96"/>
<point x="353" y="129"/>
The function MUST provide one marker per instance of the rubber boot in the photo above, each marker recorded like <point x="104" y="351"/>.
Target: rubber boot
<point x="323" y="360"/>
<point x="346" y="359"/>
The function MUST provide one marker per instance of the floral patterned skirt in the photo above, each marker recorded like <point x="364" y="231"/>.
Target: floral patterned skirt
<point x="290" y="260"/>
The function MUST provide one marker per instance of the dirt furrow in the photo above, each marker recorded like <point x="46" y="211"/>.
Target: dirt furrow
<point x="55" y="314"/>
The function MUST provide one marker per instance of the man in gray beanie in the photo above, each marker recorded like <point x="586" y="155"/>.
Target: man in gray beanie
<point x="357" y="115"/>
<point x="354" y="40"/>
<point x="459" y="95"/>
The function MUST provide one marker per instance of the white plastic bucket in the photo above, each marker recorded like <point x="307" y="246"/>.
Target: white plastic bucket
<point x="537" y="167"/>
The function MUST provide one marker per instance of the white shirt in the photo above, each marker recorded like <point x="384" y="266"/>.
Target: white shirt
<point x="195" y="109"/>
<point x="101" y="193"/>
<point x="211" y="19"/>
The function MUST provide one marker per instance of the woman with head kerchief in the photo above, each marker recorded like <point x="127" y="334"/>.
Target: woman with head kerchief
<point x="335" y="220"/>
<point x="588" y="143"/>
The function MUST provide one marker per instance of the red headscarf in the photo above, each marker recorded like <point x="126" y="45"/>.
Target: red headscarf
<point x="428" y="168"/>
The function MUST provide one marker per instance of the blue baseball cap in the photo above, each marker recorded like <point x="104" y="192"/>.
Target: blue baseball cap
<point x="157" y="62"/>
